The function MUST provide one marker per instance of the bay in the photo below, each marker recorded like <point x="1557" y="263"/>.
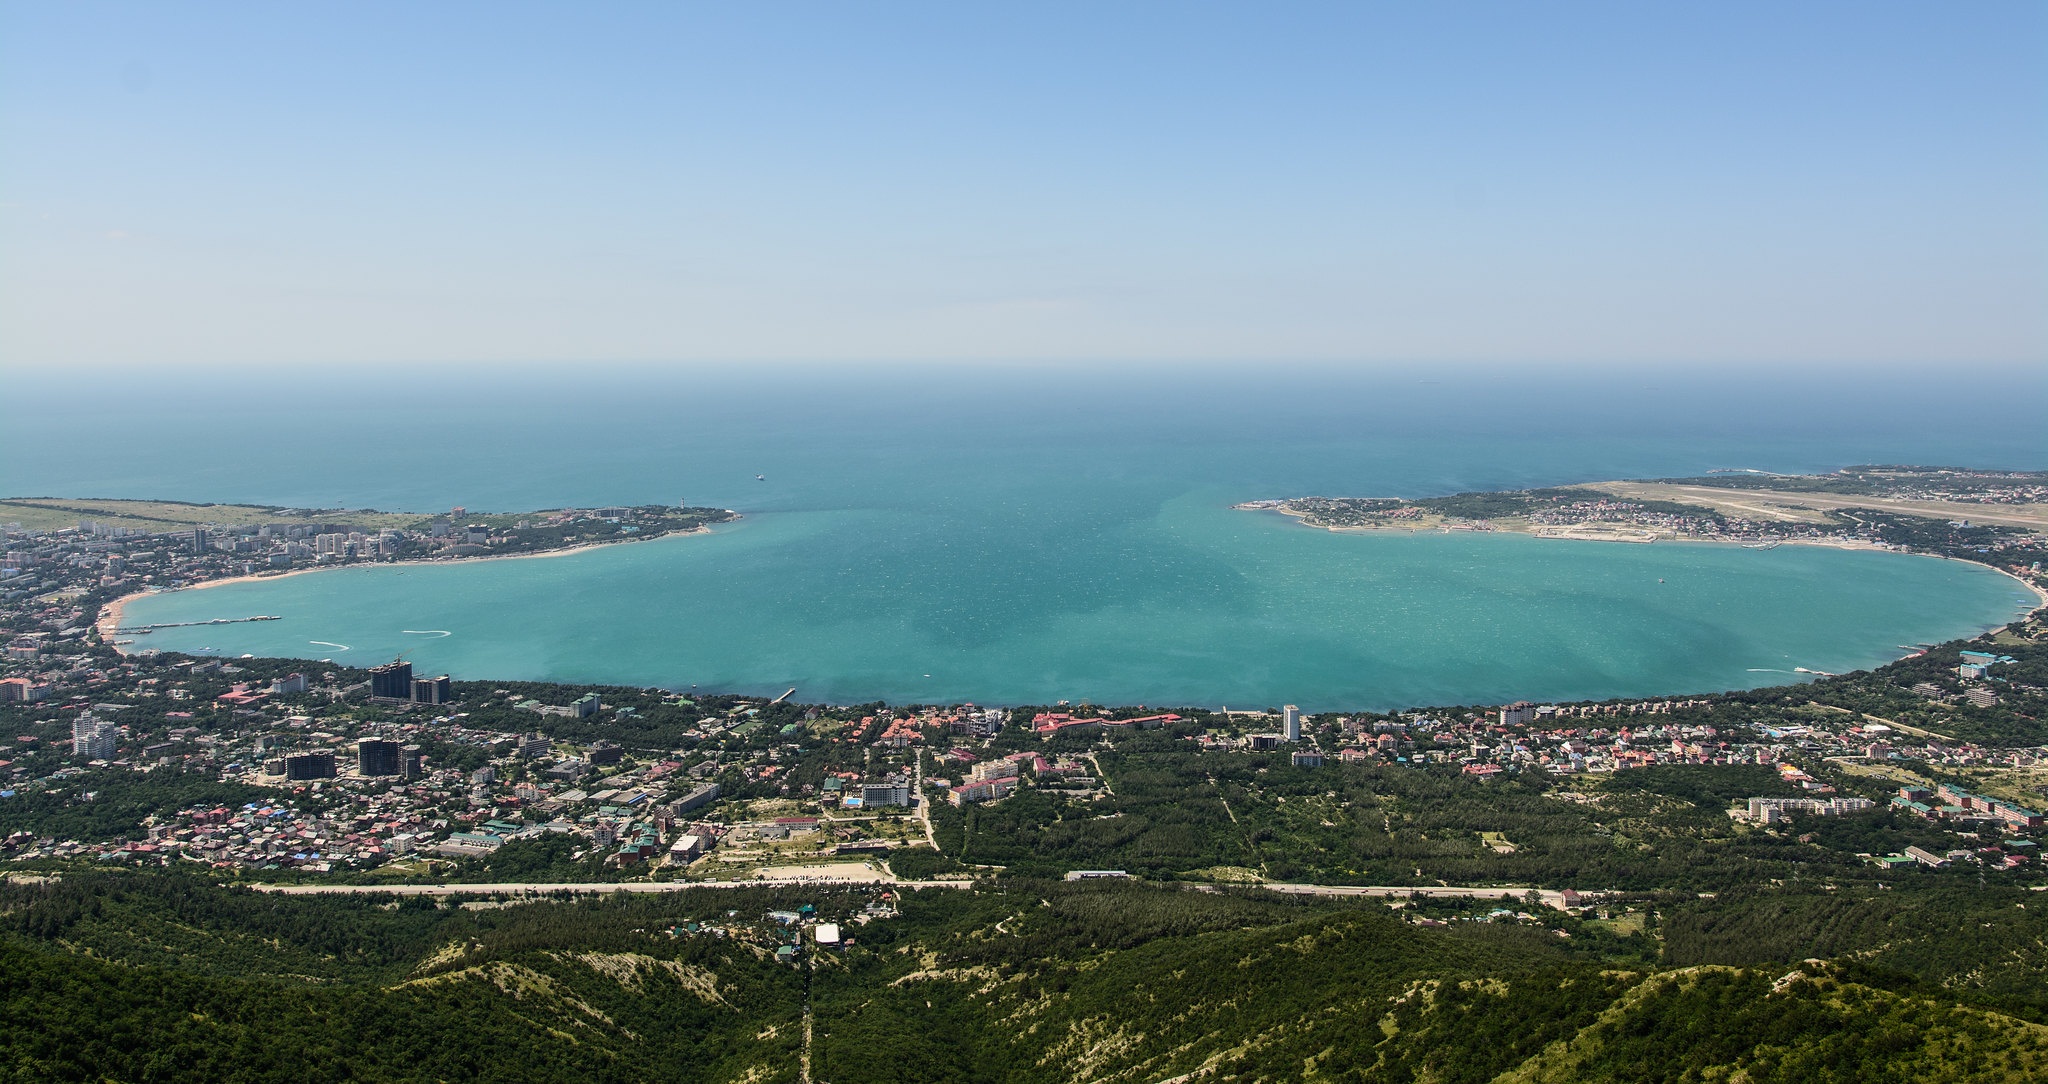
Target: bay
<point x="1202" y="606"/>
<point x="1029" y="535"/>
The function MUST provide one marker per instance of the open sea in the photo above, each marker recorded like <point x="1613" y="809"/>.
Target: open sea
<point x="1026" y="535"/>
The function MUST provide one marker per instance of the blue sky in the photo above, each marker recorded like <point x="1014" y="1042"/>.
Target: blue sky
<point x="203" y="184"/>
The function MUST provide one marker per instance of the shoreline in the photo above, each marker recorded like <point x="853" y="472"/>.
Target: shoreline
<point x="109" y="621"/>
<point x="2040" y="593"/>
<point x="112" y="612"/>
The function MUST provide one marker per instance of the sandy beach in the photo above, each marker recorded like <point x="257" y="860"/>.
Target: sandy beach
<point x="2040" y="593"/>
<point x="110" y="614"/>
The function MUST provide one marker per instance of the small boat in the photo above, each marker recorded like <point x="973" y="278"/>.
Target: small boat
<point x="760" y="477"/>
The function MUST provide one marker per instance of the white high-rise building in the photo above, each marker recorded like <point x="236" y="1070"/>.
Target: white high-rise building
<point x="1291" y="717"/>
<point x="93" y="739"/>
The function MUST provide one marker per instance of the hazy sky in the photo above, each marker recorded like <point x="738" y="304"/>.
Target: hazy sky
<point x="315" y="184"/>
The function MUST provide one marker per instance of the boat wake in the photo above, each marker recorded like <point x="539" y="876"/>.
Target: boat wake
<point x="1768" y="670"/>
<point x="324" y="643"/>
<point x="426" y="632"/>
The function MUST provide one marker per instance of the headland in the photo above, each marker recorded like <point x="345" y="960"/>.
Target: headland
<point x="109" y="622"/>
<point x="154" y="546"/>
<point x="1991" y="517"/>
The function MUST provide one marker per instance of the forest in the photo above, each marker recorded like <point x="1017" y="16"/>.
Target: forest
<point x="158" y="977"/>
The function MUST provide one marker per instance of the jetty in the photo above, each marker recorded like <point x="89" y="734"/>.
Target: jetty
<point x="140" y="629"/>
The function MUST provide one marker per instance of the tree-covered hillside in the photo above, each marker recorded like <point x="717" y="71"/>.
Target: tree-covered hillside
<point x="156" y="977"/>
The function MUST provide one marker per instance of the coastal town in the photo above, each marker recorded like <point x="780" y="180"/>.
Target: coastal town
<point x="326" y="771"/>
<point x="115" y="752"/>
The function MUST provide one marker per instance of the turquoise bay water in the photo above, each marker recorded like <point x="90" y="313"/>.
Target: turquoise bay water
<point x="1229" y="608"/>
<point x="1025" y="537"/>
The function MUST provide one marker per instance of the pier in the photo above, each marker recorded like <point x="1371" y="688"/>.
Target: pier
<point x="134" y="629"/>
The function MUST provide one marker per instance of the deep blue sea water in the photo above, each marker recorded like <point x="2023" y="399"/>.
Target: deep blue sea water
<point x="1026" y="535"/>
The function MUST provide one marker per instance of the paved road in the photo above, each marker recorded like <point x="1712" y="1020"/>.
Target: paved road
<point x="1550" y="898"/>
<point x="589" y="888"/>
<point x="1913" y="730"/>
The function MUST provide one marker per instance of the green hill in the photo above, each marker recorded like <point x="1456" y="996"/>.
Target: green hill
<point x="158" y="977"/>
